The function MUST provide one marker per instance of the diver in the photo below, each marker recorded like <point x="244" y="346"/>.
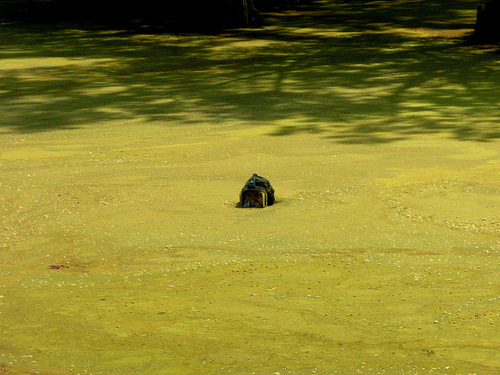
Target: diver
<point x="257" y="193"/>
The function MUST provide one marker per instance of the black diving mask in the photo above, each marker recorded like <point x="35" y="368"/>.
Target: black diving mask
<point x="253" y="199"/>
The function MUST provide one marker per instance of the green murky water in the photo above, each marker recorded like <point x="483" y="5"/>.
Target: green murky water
<point x="121" y="161"/>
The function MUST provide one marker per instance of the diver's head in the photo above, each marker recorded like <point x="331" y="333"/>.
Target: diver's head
<point x="257" y="193"/>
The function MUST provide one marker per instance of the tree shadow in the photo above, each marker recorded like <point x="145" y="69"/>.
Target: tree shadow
<point x="344" y="70"/>
<point x="363" y="14"/>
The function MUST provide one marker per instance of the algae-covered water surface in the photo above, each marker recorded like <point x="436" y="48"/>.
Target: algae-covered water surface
<point x="122" y="156"/>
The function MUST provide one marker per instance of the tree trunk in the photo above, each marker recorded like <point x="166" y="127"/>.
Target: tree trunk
<point x="239" y="11"/>
<point x="488" y="22"/>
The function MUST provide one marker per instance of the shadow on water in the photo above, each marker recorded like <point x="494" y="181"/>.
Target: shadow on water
<point x="353" y="72"/>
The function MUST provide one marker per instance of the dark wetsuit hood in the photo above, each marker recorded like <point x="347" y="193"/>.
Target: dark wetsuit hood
<point x="259" y="184"/>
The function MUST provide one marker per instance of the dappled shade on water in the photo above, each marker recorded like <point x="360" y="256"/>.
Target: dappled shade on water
<point x="355" y="73"/>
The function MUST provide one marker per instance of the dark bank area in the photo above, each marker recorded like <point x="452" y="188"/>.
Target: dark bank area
<point x="190" y="15"/>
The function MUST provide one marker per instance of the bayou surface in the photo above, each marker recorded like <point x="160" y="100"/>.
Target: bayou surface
<point x="122" y="156"/>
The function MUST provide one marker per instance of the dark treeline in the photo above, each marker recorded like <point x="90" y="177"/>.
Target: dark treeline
<point x="488" y="22"/>
<point x="193" y="14"/>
